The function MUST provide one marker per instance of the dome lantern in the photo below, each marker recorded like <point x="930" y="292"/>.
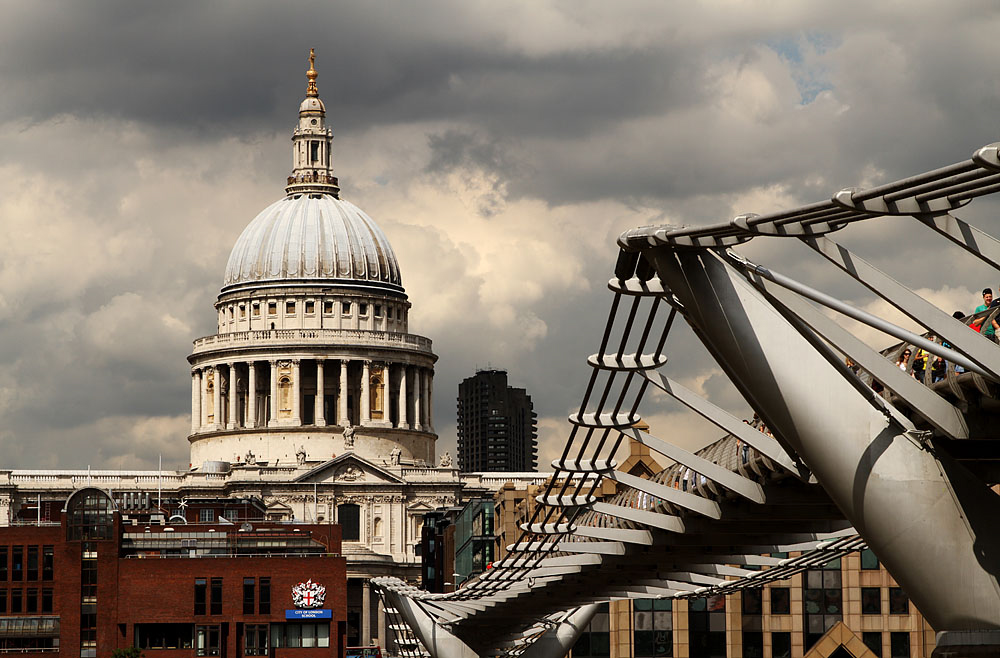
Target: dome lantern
<point x="312" y="142"/>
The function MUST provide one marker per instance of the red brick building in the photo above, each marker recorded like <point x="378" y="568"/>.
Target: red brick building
<point x="91" y="584"/>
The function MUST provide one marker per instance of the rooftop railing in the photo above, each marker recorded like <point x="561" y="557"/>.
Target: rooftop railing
<point x="312" y="337"/>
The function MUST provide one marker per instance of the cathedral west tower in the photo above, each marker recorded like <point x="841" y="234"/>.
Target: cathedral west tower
<point x="312" y="357"/>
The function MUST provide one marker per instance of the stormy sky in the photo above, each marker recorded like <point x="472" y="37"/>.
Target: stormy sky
<point x="502" y="147"/>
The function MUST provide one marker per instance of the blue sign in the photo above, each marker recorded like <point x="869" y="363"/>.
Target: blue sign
<point x="313" y="613"/>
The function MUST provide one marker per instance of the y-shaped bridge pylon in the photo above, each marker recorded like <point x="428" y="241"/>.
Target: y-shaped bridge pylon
<point x="864" y="449"/>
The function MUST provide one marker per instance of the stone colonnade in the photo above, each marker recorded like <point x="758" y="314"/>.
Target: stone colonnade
<point x="232" y="395"/>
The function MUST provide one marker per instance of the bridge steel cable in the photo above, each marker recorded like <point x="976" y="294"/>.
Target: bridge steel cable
<point x="851" y="450"/>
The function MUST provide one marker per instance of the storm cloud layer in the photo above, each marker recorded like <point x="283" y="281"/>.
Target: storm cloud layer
<point x="502" y="147"/>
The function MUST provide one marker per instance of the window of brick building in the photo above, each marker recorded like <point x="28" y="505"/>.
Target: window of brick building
<point x="868" y="559"/>
<point x="707" y="624"/>
<point x="206" y="515"/>
<point x="200" y="596"/>
<point x="873" y="640"/>
<point x="871" y="600"/>
<point x="822" y="599"/>
<point x="17" y="563"/>
<point x="3" y="601"/>
<point x="215" y="597"/>
<point x="249" y="596"/>
<point x="899" y="645"/>
<point x="208" y="640"/>
<point x="264" y="605"/>
<point x="16" y="601"/>
<point x="781" y="601"/>
<point x="48" y="563"/>
<point x="653" y="622"/>
<point x="31" y="600"/>
<point x="47" y="599"/>
<point x="781" y="645"/>
<point x="32" y="563"/>
<point x="899" y="602"/>
<point x="4" y="554"/>
<point x="255" y="640"/>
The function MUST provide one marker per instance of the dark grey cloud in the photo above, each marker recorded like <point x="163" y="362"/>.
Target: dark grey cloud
<point x="503" y="148"/>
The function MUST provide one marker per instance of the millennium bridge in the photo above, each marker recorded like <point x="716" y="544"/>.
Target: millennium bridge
<point x="861" y="448"/>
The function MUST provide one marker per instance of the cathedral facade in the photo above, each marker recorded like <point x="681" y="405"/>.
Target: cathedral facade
<point x="312" y="399"/>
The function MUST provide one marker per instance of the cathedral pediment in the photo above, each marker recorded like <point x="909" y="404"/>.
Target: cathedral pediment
<point x="349" y="468"/>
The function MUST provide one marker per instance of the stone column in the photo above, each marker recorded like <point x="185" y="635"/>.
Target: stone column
<point x="195" y="400"/>
<point x="204" y="398"/>
<point x="418" y="404"/>
<point x="274" y="394"/>
<point x="381" y="626"/>
<point x="430" y="400"/>
<point x="402" y="399"/>
<point x="217" y="399"/>
<point x="343" y="420"/>
<point x="320" y="418"/>
<point x="366" y="613"/>
<point x="366" y="402"/>
<point x="296" y="393"/>
<point x="251" y="394"/>
<point x="231" y="423"/>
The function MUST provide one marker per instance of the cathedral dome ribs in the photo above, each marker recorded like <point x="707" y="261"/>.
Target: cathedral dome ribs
<point x="312" y="357"/>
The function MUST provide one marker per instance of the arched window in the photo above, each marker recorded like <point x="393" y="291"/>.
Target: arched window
<point x="285" y="395"/>
<point x="349" y="518"/>
<point x="377" y="528"/>
<point x="89" y="515"/>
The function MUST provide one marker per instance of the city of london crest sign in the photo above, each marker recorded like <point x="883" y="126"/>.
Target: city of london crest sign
<point x="308" y="595"/>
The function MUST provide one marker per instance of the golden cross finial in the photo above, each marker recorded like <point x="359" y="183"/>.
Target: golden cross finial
<point x="311" y="90"/>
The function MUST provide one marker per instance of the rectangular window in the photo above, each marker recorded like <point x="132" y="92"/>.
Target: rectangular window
<point x="873" y="640"/>
<point x="310" y="307"/>
<point x="781" y="645"/>
<point x="899" y="603"/>
<point x="272" y="308"/>
<point x="300" y="635"/>
<point x="215" y="597"/>
<point x="868" y="559"/>
<point x="47" y="605"/>
<point x="264" y="605"/>
<point x="362" y="308"/>
<point x="164" y="636"/>
<point x="753" y="603"/>
<point x="200" y="595"/>
<point x="899" y="645"/>
<point x="345" y="308"/>
<point x="32" y="563"/>
<point x="206" y="515"/>
<point x="314" y="151"/>
<point x="249" y="596"/>
<point x="378" y="310"/>
<point x="48" y="563"/>
<point x="753" y="644"/>
<point x="231" y="515"/>
<point x="255" y="640"/>
<point x="243" y="310"/>
<point x="16" y="604"/>
<point x="707" y="624"/>
<point x="17" y="563"/>
<point x="328" y="307"/>
<point x="4" y="551"/>
<point x="781" y="601"/>
<point x="208" y="640"/>
<point x="822" y="601"/>
<point x="871" y="600"/>
<point x="256" y="309"/>
<point x="653" y="624"/>
<point x="290" y="308"/>
<point x="31" y="600"/>
<point x="3" y="601"/>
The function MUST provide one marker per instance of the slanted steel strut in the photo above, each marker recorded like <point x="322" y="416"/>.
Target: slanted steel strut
<point x="927" y="518"/>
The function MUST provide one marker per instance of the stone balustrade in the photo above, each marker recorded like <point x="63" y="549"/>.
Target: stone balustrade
<point x="312" y="337"/>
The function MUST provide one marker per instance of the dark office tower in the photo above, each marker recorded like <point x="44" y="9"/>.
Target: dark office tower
<point x="497" y="430"/>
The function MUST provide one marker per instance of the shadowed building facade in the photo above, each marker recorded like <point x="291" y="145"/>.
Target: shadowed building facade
<point x="497" y="427"/>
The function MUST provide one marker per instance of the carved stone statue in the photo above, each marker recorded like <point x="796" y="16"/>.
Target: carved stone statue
<point x="394" y="455"/>
<point x="445" y="460"/>
<point x="300" y="455"/>
<point x="349" y="436"/>
<point x="250" y="458"/>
